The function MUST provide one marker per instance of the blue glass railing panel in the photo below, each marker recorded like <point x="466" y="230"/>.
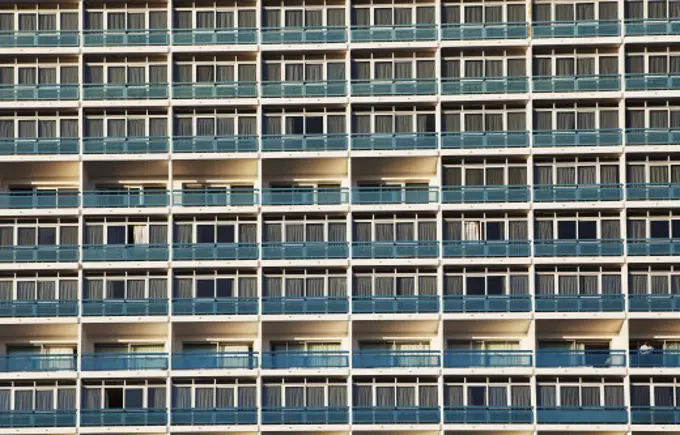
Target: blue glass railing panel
<point x="396" y="249"/>
<point x="221" y="416"/>
<point x="304" y="250"/>
<point x="123" y="417"/>
<point x="486" y="248"/>
<point x="395" y="304"/>
<point x="395" y="358"/>
<point x="484" y="194"/>
<point x="578" y="248"/>
<point x="400" y="415"/>
<point x="487" y="358"/>
<point x="35" y="362"/>
<point x="486" y="304"/>
<point x="488" y="415"/>
<point x="125" y="307"/>
<point x="103" y="361"/>
<point x="305" y="305"/>
<point x="214" y="360"/>
<point x="580" y="358"/>
<point x="217" y="306"/>
<point x="580" y="303"/>
<point x="305" y="359"/>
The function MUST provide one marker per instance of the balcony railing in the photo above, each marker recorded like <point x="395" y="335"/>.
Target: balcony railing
<point x="386" y="87"/>
<point x="368" y="359"/>
<point x="214" y="144"/>
<point x="484" y="194"/>
<point x="305" y="359"/>
<point x="487" y="358"/>
<point x="220" y="36"/>
<point x="395" y="304"/>
<point x="214" y="360"/>
<point x="304" y="250"/>
<point x="575" y="29"/>
<point x="39" y="254"/>
<point x="487" y="304"/>
<point x="300" y="142"/>
<point x="578" y="248"/>
<point x="667" y="415"/>
<point x="128" y="91"/>
<point x="396" y="33"/>
<point x="653" y="302"/>
<point x="126" y="198"/>
<point x="398" y="415"/>
<point x="125" y="307"/>
<point x="396" y="249"/>
<point x="39" y="199"/>
<point x="652" y="191"/>
<point x="481" y="31"/>
<point x="489" y="415"/>
<point x="40" y="38"/>
<point x="125" y="37"/>
<point x="655" y="358"/>
<point x="214" y="306"/>
<point x="215" y="197"/>
<point x="484" y="85"/>
<point x="484" y="139"/>
<point x="329" y="415"/>
<point x="652" y="82"/>
<point x="652" y="136"/>
<point x="214" y="90"/>
<point x="296" y="89"/>
<point x="580" y="358"/>
<point x="137" y="252"/>
<point x="43" y="418"/>
<point x="395" y="195"/>
<point x="396" y="142"/>
<point x="39" y="145"/>
<point x="577" y="192"/>
<point x="221" y="416"/>
<point x="304" y="35"/>
<point x="305" y="196"/>
<point x="573" y="138"/>
<point x="486" y="248"/>
<point x="579" y="303"/>
<point x="214" y="251"/>
<point x="104" y="361"/>
<point x="39" y="308"/>
<point x="124" y="417"/>
<point x="647" y="247"/>
<point x="36" y="362"/>
<point x="40" y="92"/>
<point x="305" y="305"/>
<point x="652" y="26"/>
<point x="125" y="145"/>
<point x="580" y="83"/>
<point x="582" y="415"/>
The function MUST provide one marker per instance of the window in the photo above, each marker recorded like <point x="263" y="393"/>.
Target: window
<point x="124" y="395"/>
<point x="215" y="286"/>
<point x="483" y="392"/>
<point x="111" y="286"/>
<point x="285" y="284"/>
<point x="388" y="393"/>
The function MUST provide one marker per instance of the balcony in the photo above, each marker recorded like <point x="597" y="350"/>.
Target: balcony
<point x="394" y="142"/>
<point x="329" y="415"/>
<point x="487" y="358"/>
<point x="484" y="31"/>
<point x="304" y="35"/>
<point x="214" y="144"/>
<point x="400" y="249"/>
<point x="583" y="303"/>
<point x="33" y="419"/>
<point x="216" y="306"/>
<point x="578" y="248"/>
<point x="652" y="136"/>
<point x="137" y="252"/>
<point x="485" y="85"/>
<point x="311" y="142"/>
<point x="575" y="29"/>
<point x="667" y="415"/>
<point x="105" y="361"/>
<point x="484" y="139"/>
<point x="40" y="38"/>
<point x="599" y="358"/>
<point x="484" y="194"/>
<point x="39" y="308"/>
<point x="580" y="83"/>
<point x="305" y="359"/>
<point x="652" y="82"/>
<point x="577" y="192"/>
<point x="396" y="87"/>
<point x="125" y="145"/>
<point x="41" y="92"/>
<point x="577" y="138"/>
<point x="652" y="26"/>
<point x="397" y="33"/>
<point x="395" y="195"/>
<point x="305" y="305"/>
<point x="653" y="302"/>
<point x="582" y="415"/>
<point x="215" y="197"/>
<point x="655" y="358"/>
<point x="123" y="417"/>
<point x="486" y="248"/>
<point x="305" y="250"/>
<point x="39" y="199"/>
<point x="39" y="254"/>
<point x="294" y="89"/>
<point x="125" y="37"/>
<point x="305" y="196"/>
<point x="222" y="36"/>
<point x="137" y="91"/>
<point x="652" y="191"/>
<point x="214" y="251"/>
<point x="221" y="416"/>
<point x="371" y="359"/>
<point x="398" y="415"/>
<point x="487" y="303"/>
<point x="214" y="90"/>
<point x="125" y="307"/>
<point x="39" y="145"/>
<point x="489" y="415"/>
<point x="126" y="198"/>
<point x="648" y="247"/>
<point x="36" y="362"/>
<point x="395" y="304"/>
<point x="214" y="360"/>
